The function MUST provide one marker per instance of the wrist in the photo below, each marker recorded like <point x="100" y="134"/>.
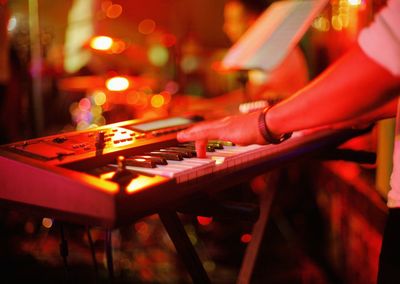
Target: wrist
<point x="270" y="120"/>
<point x="269" y="135"/>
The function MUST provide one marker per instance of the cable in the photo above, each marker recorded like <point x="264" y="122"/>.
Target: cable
<point x="93" y="253"/>
<point x="64" y="251"/>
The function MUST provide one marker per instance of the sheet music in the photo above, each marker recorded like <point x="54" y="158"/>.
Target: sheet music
<point x="275" y="33"/>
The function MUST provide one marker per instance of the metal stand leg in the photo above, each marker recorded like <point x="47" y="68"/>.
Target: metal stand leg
<point x="184" y="247"/>
<point x="109" y="257"/>
<point x="93" y="253"/>
<point x="250" y="257"/>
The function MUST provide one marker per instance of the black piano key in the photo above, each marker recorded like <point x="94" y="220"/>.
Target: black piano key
<point x="155" y="159"/>
<point x="216" y="145"/>
<point x="209" y="148"/>
<point x="167" y="155"/>
<point x="140" y="162"/>
<point x="184" y="152"/>
<point x="223" y="143"/>
<point x="190" y="151"/>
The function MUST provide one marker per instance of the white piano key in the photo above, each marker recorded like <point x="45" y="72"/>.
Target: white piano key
<point x="228" y="158"/>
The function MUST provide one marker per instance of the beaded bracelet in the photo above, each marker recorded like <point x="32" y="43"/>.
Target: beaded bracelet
<point x="266" y="133"/>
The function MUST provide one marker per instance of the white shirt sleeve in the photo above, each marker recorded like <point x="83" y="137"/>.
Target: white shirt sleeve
<point x="381" y="40"/>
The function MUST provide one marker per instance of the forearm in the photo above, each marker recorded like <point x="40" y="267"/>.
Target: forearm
<point x="388" y="110"/>
<point x="350" y="88"/>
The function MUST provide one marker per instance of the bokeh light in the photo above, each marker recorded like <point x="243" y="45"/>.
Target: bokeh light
<point x="117" y="83"/>
<point x="189" y="63"/>
<point x="47" y="223"/>
<point x="99" y="98"/>
<point x="321" y="24"/>
<point x="354" y="2"/>
<point x="118" y="46"/>
<point x="158" y="55"/>
<point x="84" y="104"/>
<point x="204" y="220"/>
<point x="147" y="26"/>
<point x="172" y="87"/>
<point x="157" y="101"/>
<point x="245" y="238"/>
<point x="101" y="43"/>
<point x="12" y="24"/>
<point x="114" y="11"/>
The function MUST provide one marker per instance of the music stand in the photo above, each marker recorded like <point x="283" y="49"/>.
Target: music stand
<point x="270" y="39"/>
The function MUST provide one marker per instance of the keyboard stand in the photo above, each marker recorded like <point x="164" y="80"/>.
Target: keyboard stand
<point x="266" y="198"/>
<point x="184" y="247"/>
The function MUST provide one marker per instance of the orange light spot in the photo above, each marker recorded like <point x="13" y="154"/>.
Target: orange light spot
<point x="47" y="223"/>
<point x="118" y="46"/>
<point x="147" y="26"/>
<point x="101" y="43"/>
<point x="114" y="11"/>
<point x="204" y="220"/>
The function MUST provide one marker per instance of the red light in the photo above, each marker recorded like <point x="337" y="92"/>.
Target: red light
<point x="245" y="238"/>
<point x="204" y="220"/>
<point x="168" y="40"/>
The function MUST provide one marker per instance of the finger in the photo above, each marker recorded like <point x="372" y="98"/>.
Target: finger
<point x="183" y="136"/>
<point x="201" y="148"/>
<point x="198" y="132"/>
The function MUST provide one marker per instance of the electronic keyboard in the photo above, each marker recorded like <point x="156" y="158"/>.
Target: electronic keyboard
<point x="117" y="173"/>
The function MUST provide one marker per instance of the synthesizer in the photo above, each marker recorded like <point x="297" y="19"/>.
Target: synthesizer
<point x="120" y="172"/>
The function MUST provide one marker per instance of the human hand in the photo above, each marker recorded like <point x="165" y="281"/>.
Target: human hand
<point x="239" y="129"/>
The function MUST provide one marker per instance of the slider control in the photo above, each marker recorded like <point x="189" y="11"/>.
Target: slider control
<point x="100" y="140"/>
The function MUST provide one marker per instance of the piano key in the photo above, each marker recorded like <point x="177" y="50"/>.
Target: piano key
<point x="167" y="155"/>
<point x="190" y="152"/>
<point x="223" y="143"/>
<point x="216" y="145"/>
<point x="191" y="146"/>
<point x="183" y="152"/>
<point x="140" y="162"/>
<point x="184" y="170"/>
<point x="155" y="159"/>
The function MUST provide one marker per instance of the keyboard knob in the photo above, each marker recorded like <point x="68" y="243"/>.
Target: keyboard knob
<point x="121" y="163"/>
